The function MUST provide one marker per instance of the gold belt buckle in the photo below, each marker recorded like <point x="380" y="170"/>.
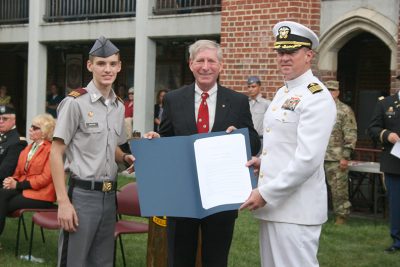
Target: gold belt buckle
<point x="107" y="186"/>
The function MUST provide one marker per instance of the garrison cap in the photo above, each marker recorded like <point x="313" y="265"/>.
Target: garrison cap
<point x="253" y="79"/>
<point x="292" y="36"/>
<point x="6" y="110"/>
<point x="332" y="85"/>
<point x="103" y="48"/>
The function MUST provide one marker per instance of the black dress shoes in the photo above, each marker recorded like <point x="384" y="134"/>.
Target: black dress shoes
<point x="392" y="249"/>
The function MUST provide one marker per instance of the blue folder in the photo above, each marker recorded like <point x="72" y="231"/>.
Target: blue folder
<point x="166" y="176"/>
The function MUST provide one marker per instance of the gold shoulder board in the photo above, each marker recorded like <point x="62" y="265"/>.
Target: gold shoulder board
<point x="77" y="92"/>
<point x="314" y="88"/>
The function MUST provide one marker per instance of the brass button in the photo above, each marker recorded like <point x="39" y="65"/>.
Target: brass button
<point x="261" y="175"/>
<point x="267" y="130"/>
<point x="286" y="90"/>
<point x="264" y="152"/>
<point x="273" y="108"/>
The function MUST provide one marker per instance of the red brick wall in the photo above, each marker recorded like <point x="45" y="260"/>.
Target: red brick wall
<point x="246" y="38"/>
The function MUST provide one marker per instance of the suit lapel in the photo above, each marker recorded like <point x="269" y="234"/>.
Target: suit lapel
<point x="188" y="108"/>
<point x="221" y="109"/>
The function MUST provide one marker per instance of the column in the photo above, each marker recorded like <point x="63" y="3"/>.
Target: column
<point x="37" y="64"/>
<point x="145" y="68"/>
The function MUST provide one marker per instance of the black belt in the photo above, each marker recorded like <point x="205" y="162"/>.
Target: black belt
<point x="104" y="186"/>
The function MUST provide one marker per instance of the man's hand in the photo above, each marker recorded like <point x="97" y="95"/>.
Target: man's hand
<point x="255" y="201"/>
<point x="230" y="129"/>
<point x="255" y="162"/>
<point x="67" y="218"/>
<point x="343" y="164"/>
<point x="151" y="135"/>
<point x="129" y="159"/>
<point x="393" y="138"/>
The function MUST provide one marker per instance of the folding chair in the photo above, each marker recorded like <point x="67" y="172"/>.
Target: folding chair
<point x="46" y="220"/>
<point x="20" y="215"/>
<point x="128" y="204"/>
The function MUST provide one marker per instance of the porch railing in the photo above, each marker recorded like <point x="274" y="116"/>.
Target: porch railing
<point x="14" y="11"/>
<point x="163" y="7"/>
<point x="69" y="10"/>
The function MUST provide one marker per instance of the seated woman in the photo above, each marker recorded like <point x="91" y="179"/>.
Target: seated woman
<point x="31" y="186"/>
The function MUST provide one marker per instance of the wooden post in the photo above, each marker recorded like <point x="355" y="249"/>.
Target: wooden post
<point x="157" y="242"/>
<point x="157" y="252"/>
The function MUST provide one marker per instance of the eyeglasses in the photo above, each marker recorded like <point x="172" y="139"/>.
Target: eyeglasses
<point x="5" y="118"/>
<point x="35" y="128"/>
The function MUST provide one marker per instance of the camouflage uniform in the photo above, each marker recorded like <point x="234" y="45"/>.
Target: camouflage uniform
<point x="341" y="143"/>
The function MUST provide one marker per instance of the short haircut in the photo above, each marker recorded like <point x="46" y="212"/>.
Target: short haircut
<point x="91" y="57"/>
<point x="200" y="45"/>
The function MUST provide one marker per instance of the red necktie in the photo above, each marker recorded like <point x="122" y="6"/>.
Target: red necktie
<point x="202" y="118"/>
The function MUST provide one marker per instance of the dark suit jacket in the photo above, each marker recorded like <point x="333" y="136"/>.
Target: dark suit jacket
<point x="10" y="148"/>
<point x="385" y="120"/>
<point x="232" y="109"/>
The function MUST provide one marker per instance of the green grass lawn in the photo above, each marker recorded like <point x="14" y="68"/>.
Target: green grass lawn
<point x="360" y="243"/>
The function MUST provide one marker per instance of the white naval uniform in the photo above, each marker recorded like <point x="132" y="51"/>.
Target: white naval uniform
<point x="297" y="127"/>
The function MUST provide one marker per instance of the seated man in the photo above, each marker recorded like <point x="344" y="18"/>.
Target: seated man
<point x="10" y="143"/>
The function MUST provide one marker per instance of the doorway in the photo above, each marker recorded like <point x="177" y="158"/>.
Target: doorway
<point x="364" y="75"/>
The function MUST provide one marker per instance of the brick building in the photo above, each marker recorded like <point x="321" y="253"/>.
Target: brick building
<point x="39" y="40"/>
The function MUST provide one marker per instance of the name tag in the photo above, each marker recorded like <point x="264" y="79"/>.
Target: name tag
<point x="92" y="125"/>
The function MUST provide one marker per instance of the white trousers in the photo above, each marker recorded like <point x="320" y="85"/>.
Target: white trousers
<point x="288" y="245"/>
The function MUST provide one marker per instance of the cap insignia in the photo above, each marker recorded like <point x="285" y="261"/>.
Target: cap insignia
<point x="284" y="32"/>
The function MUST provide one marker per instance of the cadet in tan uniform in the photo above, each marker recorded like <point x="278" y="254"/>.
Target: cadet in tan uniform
<point x="89" y="128"/>
<point x="341" y="144"/>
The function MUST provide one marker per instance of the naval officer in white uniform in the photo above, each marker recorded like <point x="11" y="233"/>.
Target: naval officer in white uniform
<point x="291" y="198"/>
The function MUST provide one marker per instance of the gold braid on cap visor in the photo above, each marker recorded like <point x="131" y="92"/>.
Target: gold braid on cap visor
<point x="291" y="44"/>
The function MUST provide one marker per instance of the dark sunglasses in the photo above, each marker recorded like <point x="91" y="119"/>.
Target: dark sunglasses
<point x="35" y="128"/>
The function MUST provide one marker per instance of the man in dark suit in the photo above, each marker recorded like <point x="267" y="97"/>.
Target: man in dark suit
<point x="204" y="107"/>
<point x="385" y="128"/>
<point x="10" y="143"/>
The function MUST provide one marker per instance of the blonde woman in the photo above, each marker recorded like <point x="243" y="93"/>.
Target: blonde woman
<point x="31" y="186"/>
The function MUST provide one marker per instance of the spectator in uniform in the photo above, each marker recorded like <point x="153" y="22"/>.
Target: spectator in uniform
<point x="291" y="199"/>
<point x="341" y="144"/>
<point x="89" y="128"/>
<point x="385" y="129"/>
<point x="258" y="104"/>
<point x="11" y="144"/>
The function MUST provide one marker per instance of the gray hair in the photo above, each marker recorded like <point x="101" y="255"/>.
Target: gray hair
<point x="202" y="45"/>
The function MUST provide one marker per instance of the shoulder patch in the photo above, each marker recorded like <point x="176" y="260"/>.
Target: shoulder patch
<point x="314" y="88"/>
<point x="381" y="98"/>
<point x="77" y="92"/>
